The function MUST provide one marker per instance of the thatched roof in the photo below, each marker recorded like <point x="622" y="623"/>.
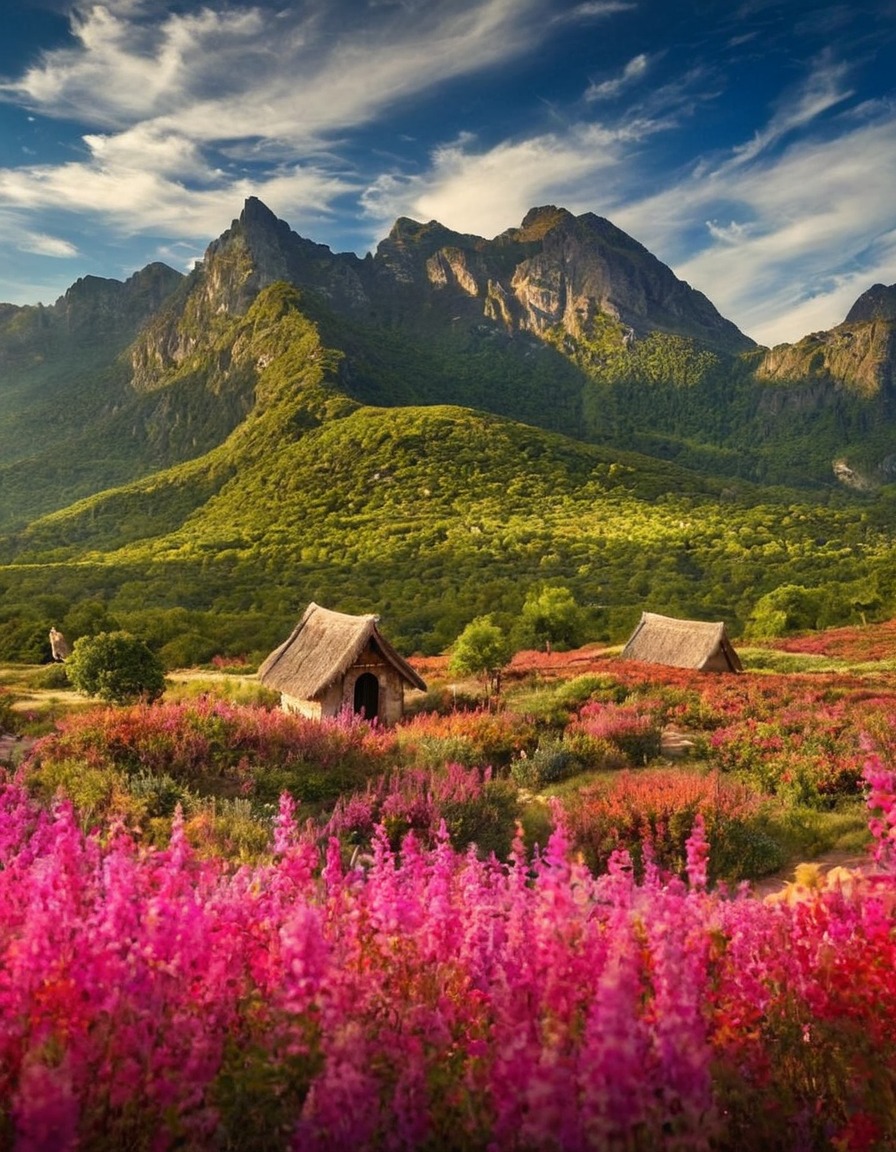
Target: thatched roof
<point x="682" y="644"/>
<point x="321" y="648"/>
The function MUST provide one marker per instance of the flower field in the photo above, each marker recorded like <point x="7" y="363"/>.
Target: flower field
<point x="391" y="961"/>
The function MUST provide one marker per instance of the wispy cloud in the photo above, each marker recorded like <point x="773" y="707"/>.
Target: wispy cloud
<point x="594" y="10"/>
<point x="790" y="239"/>
<point x="634" y="71"/>
<point x="133" y="199"/>
<point x="184" y="114"/>
<point x="188" y="100"/>
<point x="824" y="89"/>
<point x="486" y="191"/>
<point x="43" y="245"/>
<point x="781" y="232"/>
<point x="296" y="75"/>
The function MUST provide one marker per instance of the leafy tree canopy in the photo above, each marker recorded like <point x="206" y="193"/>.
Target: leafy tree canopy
<point x="788" y="608"/>
<point x="117" y="667"/>
<point x="550" y="618"/>
<point x="482" y="650"/>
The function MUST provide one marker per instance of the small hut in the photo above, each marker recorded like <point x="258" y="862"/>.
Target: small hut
<point x="682" y="644"/>
<point x="332" y="661"/>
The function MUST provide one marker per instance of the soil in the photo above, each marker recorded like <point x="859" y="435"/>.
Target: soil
<point x="13" y="749"/>
<point x="825" y="862"/>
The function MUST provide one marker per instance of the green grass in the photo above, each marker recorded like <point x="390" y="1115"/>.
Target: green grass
<point x="427" y="515"/>
<point x="807" y="833"/>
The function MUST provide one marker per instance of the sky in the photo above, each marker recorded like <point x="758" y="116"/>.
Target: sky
<point x="750" y="146"/>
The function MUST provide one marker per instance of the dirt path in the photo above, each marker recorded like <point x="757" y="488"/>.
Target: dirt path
<point x="13" y="749"/>
<point x="825" y="862"/>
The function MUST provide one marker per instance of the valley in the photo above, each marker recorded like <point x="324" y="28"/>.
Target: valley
<point x="395" y="435"/>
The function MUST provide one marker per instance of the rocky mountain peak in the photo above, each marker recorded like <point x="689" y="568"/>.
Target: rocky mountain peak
<point x="878" y="303"/>
<point x="539" y="221"/>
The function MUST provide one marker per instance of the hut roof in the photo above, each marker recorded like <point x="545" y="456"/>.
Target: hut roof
<point x="681" y="643"/>
<point x="321" y="648"/>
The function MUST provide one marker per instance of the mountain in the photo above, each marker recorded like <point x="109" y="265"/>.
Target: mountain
<point x="50" y="357"/>
<point x="556" y="269"/>
<point x="427" y="432"/>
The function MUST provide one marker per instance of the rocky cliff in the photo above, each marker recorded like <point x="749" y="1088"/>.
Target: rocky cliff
<point x="555" y="271"/>
<point x="858" y="355"/>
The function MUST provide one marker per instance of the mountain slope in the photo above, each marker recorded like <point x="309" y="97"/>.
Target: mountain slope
<point x="428" y="433"/>
<point x="565" y="323"/>
<point x="428" y="515"/>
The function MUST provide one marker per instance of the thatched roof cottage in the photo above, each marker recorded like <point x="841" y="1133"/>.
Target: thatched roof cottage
<point x="682" y="644"/>
<point x="332" y="661"/>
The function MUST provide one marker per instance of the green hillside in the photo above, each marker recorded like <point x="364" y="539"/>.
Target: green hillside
<point x="427" y="515"/>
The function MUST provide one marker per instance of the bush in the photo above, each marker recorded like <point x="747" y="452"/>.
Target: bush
<point x="52" y="676"/>
<point x="204" y="749"/>
<point x="476" y="808"/>
<point x="477" y="737"/>
<point x="8" y="720"/>
<point x="740" y="850"/>
<point x="550" y="763"/>
<point x="634" y="728"/>
<point x="656" y="807"/>
<point x="117" y="667"/>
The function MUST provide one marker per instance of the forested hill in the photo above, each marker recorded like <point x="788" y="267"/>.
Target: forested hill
<point x="427" y="432"/>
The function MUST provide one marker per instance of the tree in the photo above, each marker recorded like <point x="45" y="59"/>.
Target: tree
<point x="788" y="608"/>
<point x="117" y="667"/>
<point x="550" y="617"/>
<point x="482" y="650"/>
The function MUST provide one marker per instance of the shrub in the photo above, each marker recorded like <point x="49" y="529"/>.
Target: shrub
<point x="740" y="850"/>
<point x="117" y="667"/>
<point x="212" y="748"/>
<point x="657" y="807"/>
<point x="551" y="762"/>
<point x="52" y="676"/>
<point x="8" y="719"/>
<point x="475" y="807"/>
<point x="633" y="727"/>
<point x="478" y="737"/>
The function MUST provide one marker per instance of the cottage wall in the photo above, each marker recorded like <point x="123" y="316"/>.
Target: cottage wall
<point x="309" y="708"/>
<point x="391" y="694"/>
<point x="717" y="662"/>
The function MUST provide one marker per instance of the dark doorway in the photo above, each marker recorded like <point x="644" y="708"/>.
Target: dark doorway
<point x="367" y="695"/>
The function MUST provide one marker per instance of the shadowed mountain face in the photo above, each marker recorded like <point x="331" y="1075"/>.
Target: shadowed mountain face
<point x="431" y="430"/>
<point x="555" y="270"/>
<point x="878" y="303"/>
<point x="565" y="323"/>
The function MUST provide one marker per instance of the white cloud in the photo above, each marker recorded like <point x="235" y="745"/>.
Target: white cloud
<point x="132" y="197"/>
<point x="485" y="192"/>
<point x="301" y="73"/>
<point x="188" y="96"/>
<point x="822" y="91"/>
<point x="178" y="111"/>
<point x="594" y="10"/>
<point x="42" y="245"/>
<point x="634" y="71"/>
<point x="812" y="230"/>
<point x="730" y="233"/>
<point x="782" y="239"/>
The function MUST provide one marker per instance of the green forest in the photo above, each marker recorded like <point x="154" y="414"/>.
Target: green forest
<point x="658" y="477"/>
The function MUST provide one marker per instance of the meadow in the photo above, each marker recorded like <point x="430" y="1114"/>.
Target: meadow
<point x="521" y="927"/>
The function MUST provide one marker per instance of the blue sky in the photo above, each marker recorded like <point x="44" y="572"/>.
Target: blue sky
<point x="751" y="146"/>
